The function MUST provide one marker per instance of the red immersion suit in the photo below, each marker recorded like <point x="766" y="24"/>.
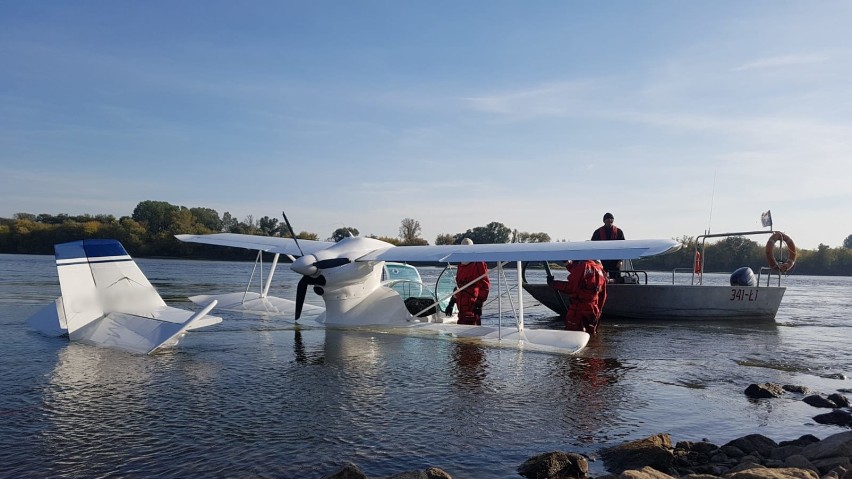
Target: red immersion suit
<point x="586" y="288"/>
<point x="471" y="299"/>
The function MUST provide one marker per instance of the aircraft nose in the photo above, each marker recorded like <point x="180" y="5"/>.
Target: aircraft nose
<point x="305" y="265"/>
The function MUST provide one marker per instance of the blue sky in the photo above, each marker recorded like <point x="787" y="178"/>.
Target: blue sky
<point x="673" y="115"/>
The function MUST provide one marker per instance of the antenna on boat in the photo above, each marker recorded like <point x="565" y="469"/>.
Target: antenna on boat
<point x="712" y="196"/>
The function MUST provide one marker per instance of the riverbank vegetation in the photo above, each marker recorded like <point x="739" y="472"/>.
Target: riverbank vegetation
<point x="150" y="231"/>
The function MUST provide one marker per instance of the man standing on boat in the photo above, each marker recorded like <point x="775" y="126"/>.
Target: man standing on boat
<point x="605" y="233"/>
<point x="586" y="290"/>
<point x="471" y="298"/>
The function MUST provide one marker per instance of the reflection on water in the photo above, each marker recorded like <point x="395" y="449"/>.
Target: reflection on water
<point x="468" y="365"/>
<point x="261" y="397"/>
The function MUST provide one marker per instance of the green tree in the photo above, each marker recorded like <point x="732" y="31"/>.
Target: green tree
<point x="207" y="217"/>
<point x="343" y="232"/>
<point x="269" y="226"/>
<point x="444" y="239"/>
<point x="229" y="223"/>
<point x="387" y="239"/>
<point x="847" y="243"/>
<point x="155" y="215"/>
<point x="731" y="253"/>
<point x="524" y="237"/>
<point x="491" y="233"/>
<point x="307" y="236"/>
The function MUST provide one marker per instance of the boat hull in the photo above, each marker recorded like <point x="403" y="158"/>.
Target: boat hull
<point x="675" y="302"/>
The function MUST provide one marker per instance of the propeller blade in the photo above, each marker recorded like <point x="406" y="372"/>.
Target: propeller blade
<point x="301" y="290"/>
<point x="331" y="263"/>
<point x="293" y="234"/>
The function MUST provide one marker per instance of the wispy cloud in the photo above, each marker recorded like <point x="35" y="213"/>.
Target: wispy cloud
<point x="783" y="61"/>
<point x="553" y="99"/>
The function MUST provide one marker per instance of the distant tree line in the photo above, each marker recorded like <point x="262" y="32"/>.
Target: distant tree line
<point x="737" y="251"/>
<point x="150" y="230"/>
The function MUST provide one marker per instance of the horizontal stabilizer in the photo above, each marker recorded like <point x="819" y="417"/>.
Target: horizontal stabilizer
<point x="253" y="303"/>
<point x="135" y="333"/>
<point x="50" y="320"/>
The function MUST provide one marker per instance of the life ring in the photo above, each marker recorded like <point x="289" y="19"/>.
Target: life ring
<point x="697" y="268"/>
<point x="770" y="252"/>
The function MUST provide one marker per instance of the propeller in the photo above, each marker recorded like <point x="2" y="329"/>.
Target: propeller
<point x="292" y="233"/>
<point x="302" y="289"/>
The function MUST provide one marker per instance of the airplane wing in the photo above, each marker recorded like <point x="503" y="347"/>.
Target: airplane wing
<point x="624" y="249"/>
<point x="271" y="244"/>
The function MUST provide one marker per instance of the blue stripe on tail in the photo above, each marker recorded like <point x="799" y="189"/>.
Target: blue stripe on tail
<point x="91" y="248"/>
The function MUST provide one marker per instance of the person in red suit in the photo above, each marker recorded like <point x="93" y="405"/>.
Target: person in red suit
<point x="586" y="290"/>
<point x="470" y="299"/>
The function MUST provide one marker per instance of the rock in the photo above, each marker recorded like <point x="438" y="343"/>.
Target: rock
<point x="555" y="465"/>
<point x="732" y="451"/>
<point x="704" y="447"/>
<point x="764" y="391"/>
<point x="831" y="463"/>
<point x="429" y="473"/>
<point x="837" y="445"/>
<point x="836" y="417"/>
<point x="818" y="401"/>
<point x="654" y="451"/>
<point x="796" y="389"/>
<point x="644" y="473"/>
<point x="839" y="399"/>
<point x="348" y="471"/>
<point x="744" y="466"/>
<point x="783" y="452"/>
<point x="779" y="473"/>
<point x="801" y="441"/>
<point x="799" y="461"/>
<point x="754" y="443"/>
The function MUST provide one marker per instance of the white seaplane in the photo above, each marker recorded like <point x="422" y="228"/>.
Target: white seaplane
<point x="107" y="301"/>
<point x="347" y="275"/>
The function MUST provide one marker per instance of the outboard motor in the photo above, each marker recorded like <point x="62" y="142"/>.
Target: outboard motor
<point x="743" y="277"/>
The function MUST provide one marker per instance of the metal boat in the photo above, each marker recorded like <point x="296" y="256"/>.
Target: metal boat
<point x="635" y="299"/>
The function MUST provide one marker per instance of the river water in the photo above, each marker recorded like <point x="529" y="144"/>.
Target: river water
<point x="255" y="397"/>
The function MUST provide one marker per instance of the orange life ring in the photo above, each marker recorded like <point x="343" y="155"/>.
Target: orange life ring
<point x="697" y="268"/>
<point x="770" y="252"/>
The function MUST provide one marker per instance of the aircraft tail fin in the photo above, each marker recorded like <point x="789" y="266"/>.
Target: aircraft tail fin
<point x="107" y="301"/>
<point x="96" y="277"/>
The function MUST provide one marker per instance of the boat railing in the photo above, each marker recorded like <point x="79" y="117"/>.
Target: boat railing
<point x="769" y="275"/>
<point x="701" y="245"/>
<point x="691" y="271"/>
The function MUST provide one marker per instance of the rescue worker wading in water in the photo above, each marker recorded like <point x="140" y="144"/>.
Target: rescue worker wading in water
<point x="586" y="289"/>
<point x="470" y="299"/>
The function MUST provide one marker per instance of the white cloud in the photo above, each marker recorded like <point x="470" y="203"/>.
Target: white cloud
<point x="783" y="61"/>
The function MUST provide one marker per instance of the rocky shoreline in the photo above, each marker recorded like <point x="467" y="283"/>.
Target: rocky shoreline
<point x="749" y="457"/>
